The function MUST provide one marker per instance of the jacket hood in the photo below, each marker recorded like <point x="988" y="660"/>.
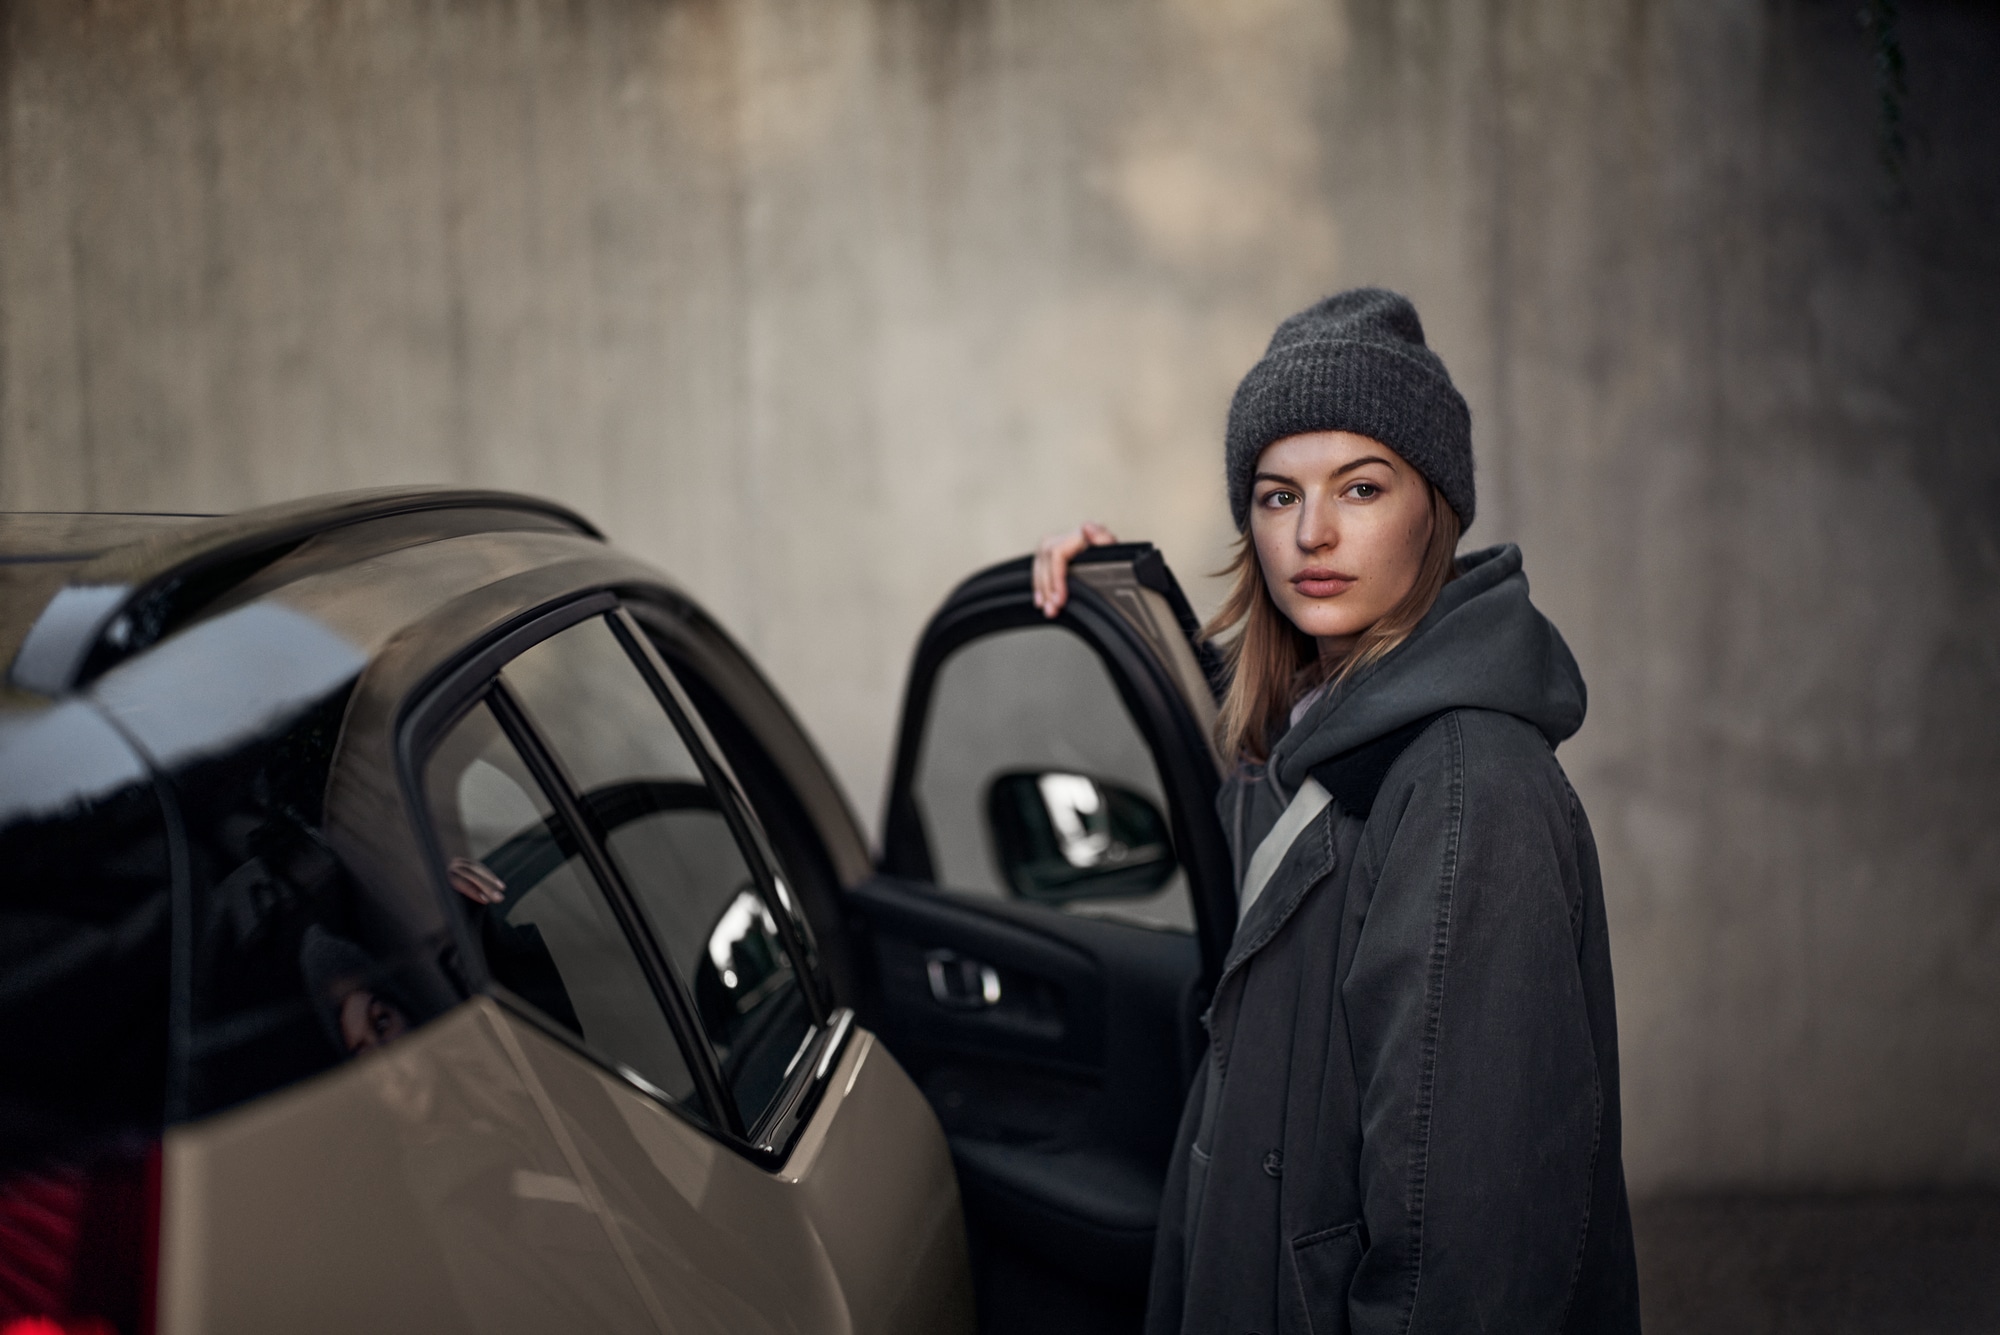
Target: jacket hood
<point x="1483" y="645"/>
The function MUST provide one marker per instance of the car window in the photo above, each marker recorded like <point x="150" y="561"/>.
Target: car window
<point x="1030" y="717"/>
<point x="296" y="964"/>
<point x="668" y="836"/>
<point x="798" y="845"/>
<point x="546" y="928"/>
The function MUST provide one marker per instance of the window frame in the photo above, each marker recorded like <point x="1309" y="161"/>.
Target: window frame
<point x="439" y="705"/>
<point x="906" y="851"/>
<point x="758" y="853"/>
<point x="1001" y="597"/>
<point x="795" y="802"/>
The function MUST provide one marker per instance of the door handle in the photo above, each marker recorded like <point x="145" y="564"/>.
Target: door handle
<point x="959" y="983"/>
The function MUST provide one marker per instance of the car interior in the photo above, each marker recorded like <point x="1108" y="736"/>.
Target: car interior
<point x="1037" y="938"/>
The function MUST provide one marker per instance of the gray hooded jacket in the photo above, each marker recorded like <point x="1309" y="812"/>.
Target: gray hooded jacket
<point x="1409" y="1120"/>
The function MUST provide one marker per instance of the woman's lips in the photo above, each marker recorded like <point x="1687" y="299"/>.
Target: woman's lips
<point x="1315" y="582"/>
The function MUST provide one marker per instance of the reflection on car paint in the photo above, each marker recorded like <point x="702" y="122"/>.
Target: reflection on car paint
<point x="438" y="1171"/>
<point x="58" y="760"/>
<point x="223" y="683"/>
<point x="65" y="630"/>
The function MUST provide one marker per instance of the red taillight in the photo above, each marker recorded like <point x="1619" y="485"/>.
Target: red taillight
<point x="79" y="1242"/>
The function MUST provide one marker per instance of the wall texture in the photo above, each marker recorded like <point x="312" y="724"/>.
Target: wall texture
<point x="823" y="303"/>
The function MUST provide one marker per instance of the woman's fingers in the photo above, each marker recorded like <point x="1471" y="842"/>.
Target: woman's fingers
<point x="1052" y="558"/>
<point x="476" y="881"/>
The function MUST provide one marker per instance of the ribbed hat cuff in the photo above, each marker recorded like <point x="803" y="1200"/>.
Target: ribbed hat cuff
<point x="1366" y="388"/>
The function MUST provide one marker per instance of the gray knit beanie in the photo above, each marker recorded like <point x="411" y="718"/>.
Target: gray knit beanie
<point x="1354" y="362"/>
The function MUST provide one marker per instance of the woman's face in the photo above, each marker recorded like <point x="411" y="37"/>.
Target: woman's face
<point x="1340" y="524"/>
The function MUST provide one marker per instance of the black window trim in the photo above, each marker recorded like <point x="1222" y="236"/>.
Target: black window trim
<point x="799" y="813"/>
<point x="779" y="1122"/>
<point x="476" y="680"/>
<point x="736" y="808"/>
<point x="660" y="976"/>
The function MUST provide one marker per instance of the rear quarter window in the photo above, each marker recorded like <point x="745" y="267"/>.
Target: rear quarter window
<point x="295" y="967"/>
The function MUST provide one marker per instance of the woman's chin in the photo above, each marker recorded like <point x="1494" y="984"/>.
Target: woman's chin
<point x="1323" y="623"/>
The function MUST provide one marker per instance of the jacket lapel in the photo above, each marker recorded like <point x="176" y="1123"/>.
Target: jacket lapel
<point x="1311" y="859"/>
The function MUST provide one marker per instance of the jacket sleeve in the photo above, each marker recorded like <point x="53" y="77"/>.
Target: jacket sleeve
<point x="1478" y="1081"/>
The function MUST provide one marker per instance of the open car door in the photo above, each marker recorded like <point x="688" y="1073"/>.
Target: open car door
<point x="1052" y="907"/>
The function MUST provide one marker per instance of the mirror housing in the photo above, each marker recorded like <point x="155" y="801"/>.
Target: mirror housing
<point x="1059" y="837"/>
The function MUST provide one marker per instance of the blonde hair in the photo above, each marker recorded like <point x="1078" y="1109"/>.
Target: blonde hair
<point x="1272" y="663"/>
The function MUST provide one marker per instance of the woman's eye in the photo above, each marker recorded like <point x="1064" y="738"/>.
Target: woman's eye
<point x="1280" y="497"/>
<point x="1364" y="491"/>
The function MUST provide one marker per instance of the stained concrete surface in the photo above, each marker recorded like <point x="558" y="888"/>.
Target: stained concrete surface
<point x="1926" y="1264"/>
<point x="823" y="303"/>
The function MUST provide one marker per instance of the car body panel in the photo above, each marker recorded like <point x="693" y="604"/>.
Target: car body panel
<point x="75" y="537"/>
<point x="866" y="1205"/>
<point x="41" y="553"/>
<point x="482" y="1172"/>
<point x="420" y="1187"/>
<point x="896" y="1238"/>
<point x="119" y="603"/>
<point x="481" y="1176"/>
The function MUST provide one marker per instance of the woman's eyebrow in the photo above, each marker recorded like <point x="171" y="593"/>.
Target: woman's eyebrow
<point x="1364" y="459"/>
<point x="1349" y="467"/>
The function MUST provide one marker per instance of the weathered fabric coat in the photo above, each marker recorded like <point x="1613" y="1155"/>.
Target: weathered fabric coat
<point x="1409" y="1120"/>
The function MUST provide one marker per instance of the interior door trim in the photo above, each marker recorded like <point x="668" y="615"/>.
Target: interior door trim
<point x="1002" y="598"/>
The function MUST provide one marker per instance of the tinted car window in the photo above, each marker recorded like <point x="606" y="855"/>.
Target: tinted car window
<point x="1035" y="701"/>
<point x="666" y="832"/>
<point x="296" y="966"/>
<point x="85" y="919"/>
<point x="545" y="927"/>
<point x="797" y="848"/>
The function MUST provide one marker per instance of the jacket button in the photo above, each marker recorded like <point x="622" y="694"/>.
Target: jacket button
<point x="1274" y="1163"/>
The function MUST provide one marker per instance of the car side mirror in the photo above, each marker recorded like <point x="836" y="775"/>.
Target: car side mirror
<point x="1061" y="837"/>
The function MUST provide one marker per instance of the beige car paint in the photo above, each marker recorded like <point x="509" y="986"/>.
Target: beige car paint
<point x="860" y="1231"/>
<point x="418" y="1188"/>
<point x="880" y="1188"/>
<point x="481" y="1176"/>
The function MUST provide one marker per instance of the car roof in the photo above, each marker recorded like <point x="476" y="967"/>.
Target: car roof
<point x="82" y="592"/>
<point x="71" y="536"/>
<point x="41" y="552"/>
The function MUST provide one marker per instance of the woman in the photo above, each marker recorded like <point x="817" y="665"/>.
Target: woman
<point x="1409" y="1119"/>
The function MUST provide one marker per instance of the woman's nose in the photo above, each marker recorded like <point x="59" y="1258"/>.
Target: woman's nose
<point x="1318" y="529"/>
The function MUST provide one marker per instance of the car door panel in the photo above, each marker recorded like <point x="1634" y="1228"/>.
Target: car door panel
<point x="895" y="1238"/>
<point x="1054" y="1037"/>
<point x="700" y="1243"/>
<point x="421" y="1187"/>
<point x="703" y="876"/>
<point x="860" y="1229"/>
<point x="1030" y="1089"/>
<point x="1047" y="996"/>
<point x="562" y="747"/>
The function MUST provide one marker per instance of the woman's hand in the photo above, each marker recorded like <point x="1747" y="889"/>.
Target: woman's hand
<point x="1052" y="560"/>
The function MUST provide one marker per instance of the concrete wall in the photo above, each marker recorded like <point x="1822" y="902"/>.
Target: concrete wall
<point x="823" y="303"/>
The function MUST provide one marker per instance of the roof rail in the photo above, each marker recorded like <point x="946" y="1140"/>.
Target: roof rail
<point x="123" y="601"/>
